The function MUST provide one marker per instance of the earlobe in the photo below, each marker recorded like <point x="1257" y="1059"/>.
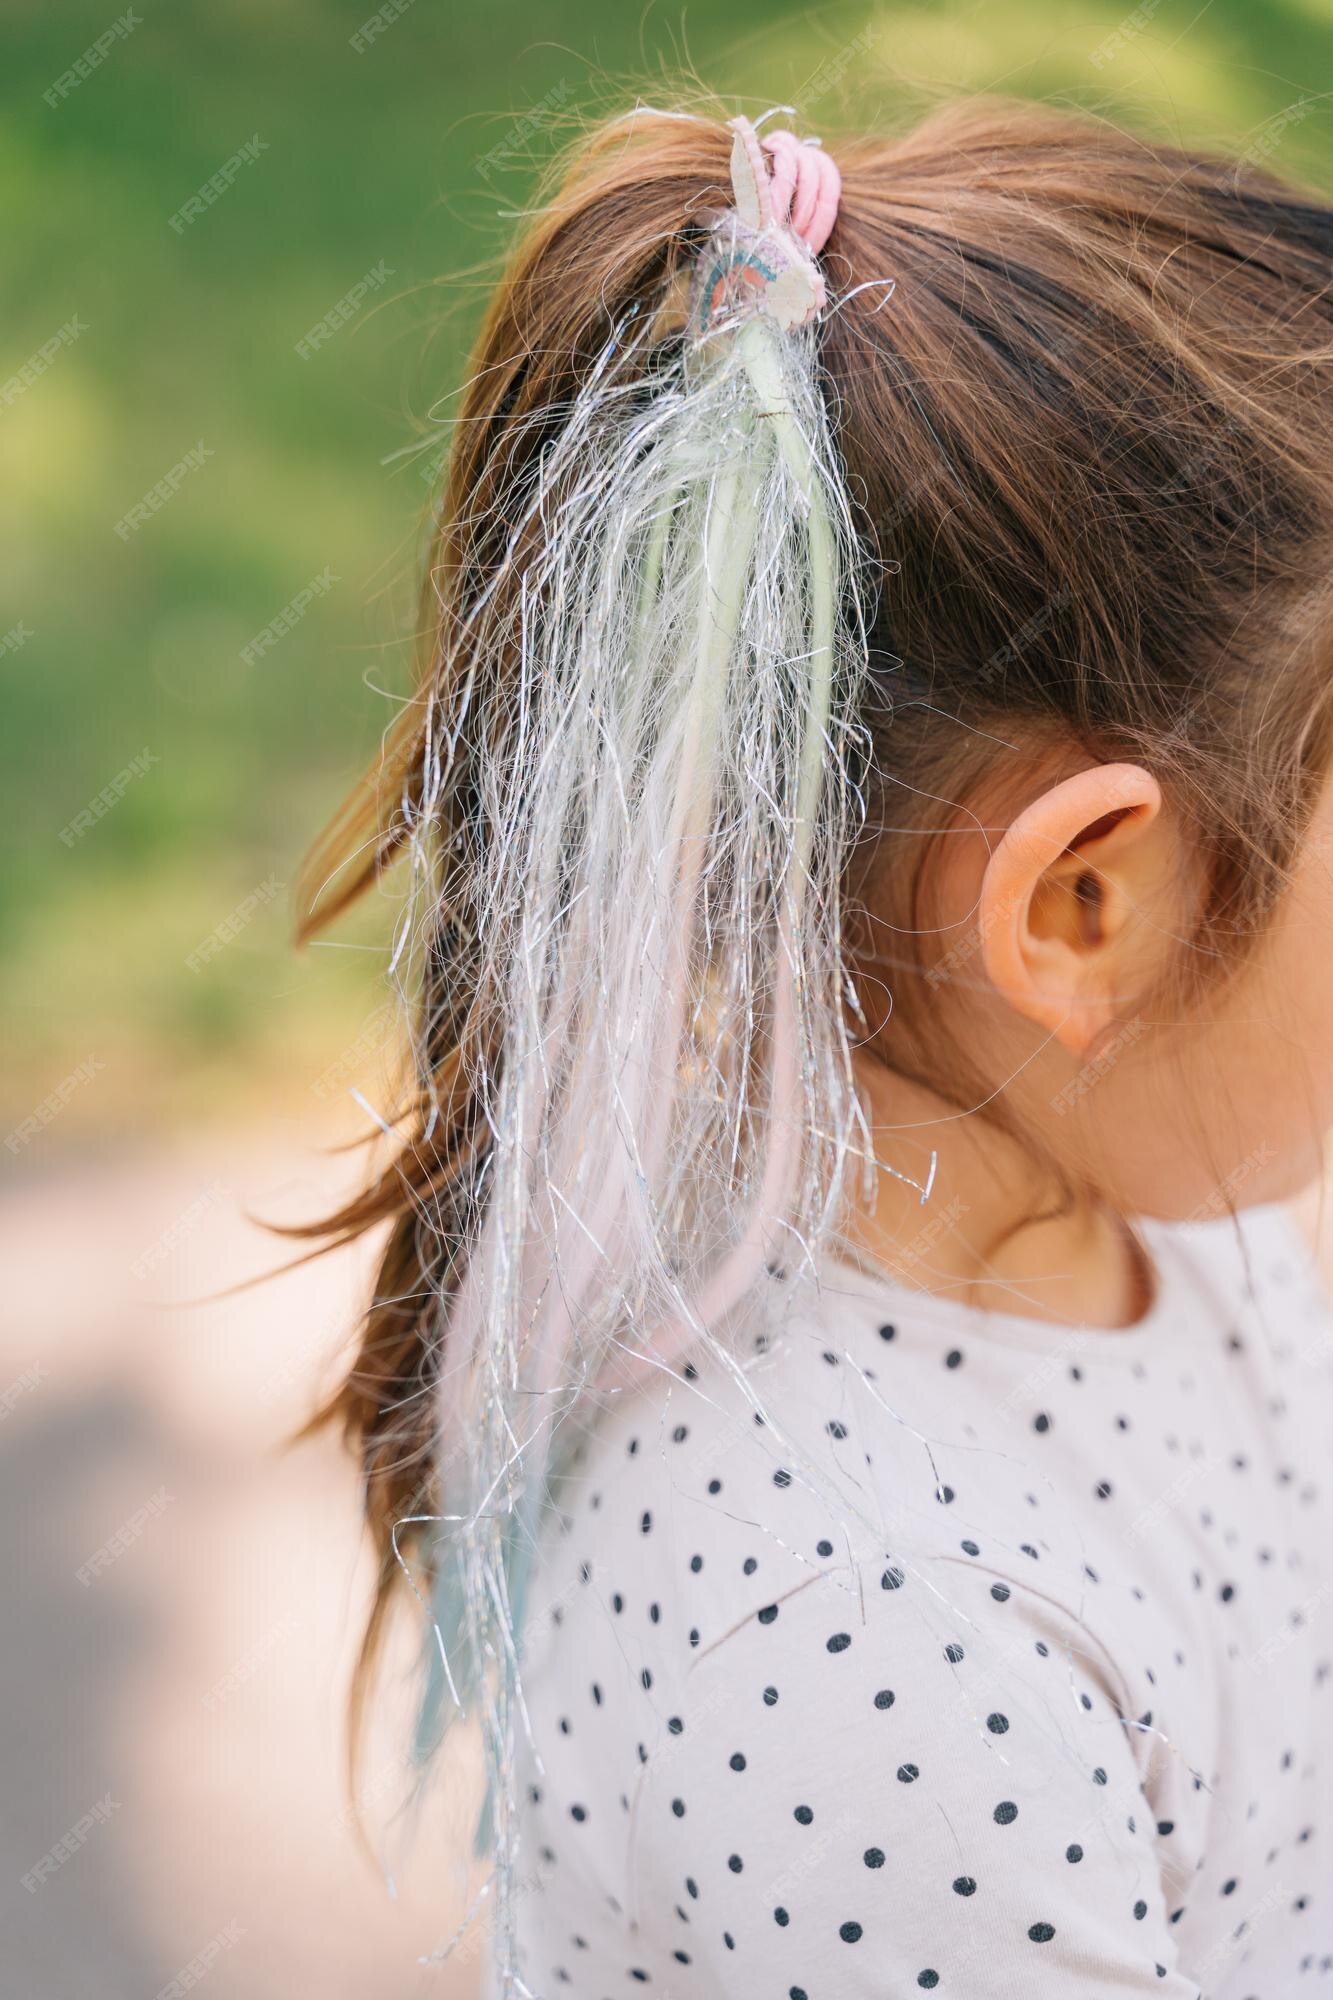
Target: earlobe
<point x="1057" y="900"/>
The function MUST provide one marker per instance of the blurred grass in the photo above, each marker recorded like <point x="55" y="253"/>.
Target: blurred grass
<point x="380" y="157"/>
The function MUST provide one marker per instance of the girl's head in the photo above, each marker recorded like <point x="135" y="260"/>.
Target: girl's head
<point x="1089" y="436"/>
<point x="1022" y="553"/>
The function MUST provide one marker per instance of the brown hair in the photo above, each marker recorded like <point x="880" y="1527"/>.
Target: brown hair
<point x="1087" y="441"/>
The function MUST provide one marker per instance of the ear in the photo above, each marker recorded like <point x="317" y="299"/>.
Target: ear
<point x="1062" y="896"/>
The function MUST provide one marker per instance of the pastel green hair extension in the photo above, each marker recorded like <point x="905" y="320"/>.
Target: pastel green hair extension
<point x="666" y="800"/>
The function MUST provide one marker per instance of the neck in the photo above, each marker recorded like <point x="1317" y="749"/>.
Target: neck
<point x="995" y="1232"/>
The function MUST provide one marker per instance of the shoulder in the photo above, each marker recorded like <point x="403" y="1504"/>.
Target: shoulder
<point x="849" y="1445"/>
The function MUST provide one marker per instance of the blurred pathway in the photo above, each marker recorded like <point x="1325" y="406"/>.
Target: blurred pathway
<point x="180" y="1596"/>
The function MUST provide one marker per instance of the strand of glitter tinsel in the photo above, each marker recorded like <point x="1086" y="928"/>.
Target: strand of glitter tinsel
<point x="666" y="803"/>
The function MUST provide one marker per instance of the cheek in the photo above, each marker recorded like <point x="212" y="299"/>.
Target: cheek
<point x="1232" y="1110"/>
<point x="1293" y="987"/>
<point x="1211" y="1131"/>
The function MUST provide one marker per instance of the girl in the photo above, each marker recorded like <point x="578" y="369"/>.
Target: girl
<point x="841" y="1354"/>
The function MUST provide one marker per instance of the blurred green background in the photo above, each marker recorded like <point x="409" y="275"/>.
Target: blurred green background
<point x="391" y="154"/>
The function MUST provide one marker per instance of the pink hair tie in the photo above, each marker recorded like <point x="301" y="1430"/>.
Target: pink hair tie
<point x="805" y="187"/>
<point x="786" y="202"/>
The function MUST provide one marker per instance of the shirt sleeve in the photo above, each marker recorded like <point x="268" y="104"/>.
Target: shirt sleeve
<point x="898" y="1779"/>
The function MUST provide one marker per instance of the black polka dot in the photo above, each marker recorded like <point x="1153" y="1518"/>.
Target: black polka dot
<point x="623" y="1693"/>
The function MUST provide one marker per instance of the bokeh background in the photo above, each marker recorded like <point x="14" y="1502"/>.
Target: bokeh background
<point x="210" y="521"/>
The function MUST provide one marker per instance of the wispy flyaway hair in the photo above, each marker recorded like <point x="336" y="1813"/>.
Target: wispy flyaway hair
<point x="726" y="618"/>
<point x="646" y="838"/>
<point x="653" y="860"/>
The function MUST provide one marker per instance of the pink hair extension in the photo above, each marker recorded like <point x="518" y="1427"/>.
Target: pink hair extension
<point x="666" y="804"/>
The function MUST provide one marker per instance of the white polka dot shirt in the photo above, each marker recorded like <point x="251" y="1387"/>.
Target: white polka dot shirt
<point x="994" y="1661"/>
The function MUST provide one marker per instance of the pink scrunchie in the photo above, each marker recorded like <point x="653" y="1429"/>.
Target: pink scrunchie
<point x="805" y="187"/>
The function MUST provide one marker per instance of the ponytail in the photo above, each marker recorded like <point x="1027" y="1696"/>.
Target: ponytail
<point x="622" y="807"/>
